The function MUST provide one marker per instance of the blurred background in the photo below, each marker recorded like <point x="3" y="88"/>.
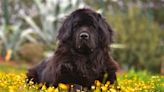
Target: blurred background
<point x="28" y="30"/>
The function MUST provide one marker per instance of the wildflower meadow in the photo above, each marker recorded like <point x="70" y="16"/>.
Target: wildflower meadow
<point x="13" y="79"/>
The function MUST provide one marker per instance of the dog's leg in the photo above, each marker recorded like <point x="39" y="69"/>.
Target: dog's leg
<point x="34" y="73"/>
<point x="112" y="77"/>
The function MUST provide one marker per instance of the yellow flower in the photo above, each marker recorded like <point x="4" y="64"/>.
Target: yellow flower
<point x="50" y="89"/>
<point x="63" y="86"/>
<point x="43" y="87"/>
<point x="97" y="83"/>
<point x="113" y="90"/>
<point x="104" y="88"/>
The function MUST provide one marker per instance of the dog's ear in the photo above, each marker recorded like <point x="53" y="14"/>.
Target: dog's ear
<point x="65" y="30"/>
<point x="105" y="31"/>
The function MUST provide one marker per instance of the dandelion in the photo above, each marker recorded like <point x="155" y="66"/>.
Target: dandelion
<point x="51" y="89"/>
<point x="63" y="87"/>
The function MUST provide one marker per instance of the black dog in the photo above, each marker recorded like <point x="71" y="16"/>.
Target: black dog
<point x="82" y="54"/>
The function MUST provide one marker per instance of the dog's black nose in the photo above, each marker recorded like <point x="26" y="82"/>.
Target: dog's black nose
<point x="84" y="35"/>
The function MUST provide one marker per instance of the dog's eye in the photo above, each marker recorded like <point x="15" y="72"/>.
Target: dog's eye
<point x="75" y="28"/>
<point x="75" y="24"/>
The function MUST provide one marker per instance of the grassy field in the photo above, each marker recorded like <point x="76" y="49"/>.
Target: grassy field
<point x="12" y="79"/>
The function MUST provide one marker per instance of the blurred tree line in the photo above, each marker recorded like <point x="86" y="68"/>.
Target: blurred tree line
<point x="139" y="34"/>
<point x="138" y="26"/>
<point x="27" y="24"/>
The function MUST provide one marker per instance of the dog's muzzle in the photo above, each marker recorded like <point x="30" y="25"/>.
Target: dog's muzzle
<point x="84" y="35"/>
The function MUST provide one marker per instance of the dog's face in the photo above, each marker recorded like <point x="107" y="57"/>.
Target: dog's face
<point x="86" y="31"/>
<point x="85" y="34"/>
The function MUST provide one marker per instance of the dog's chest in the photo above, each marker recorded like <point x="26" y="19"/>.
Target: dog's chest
<point x="80" y="70"/>
<point x="78" y="77"/>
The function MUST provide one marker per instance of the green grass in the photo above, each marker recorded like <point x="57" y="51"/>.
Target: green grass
<point x="12" y="68"/>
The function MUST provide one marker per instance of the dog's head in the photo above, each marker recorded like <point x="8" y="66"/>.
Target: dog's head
<point x="85" y="30"/>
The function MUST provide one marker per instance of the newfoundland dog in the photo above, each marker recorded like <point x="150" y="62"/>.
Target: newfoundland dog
<point x="82" y="55"/>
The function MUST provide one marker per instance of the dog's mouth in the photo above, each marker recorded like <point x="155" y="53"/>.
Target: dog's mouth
<point x="84" y="50"/>
<point x="83" y="44"/>
<point x="84" y="47"/>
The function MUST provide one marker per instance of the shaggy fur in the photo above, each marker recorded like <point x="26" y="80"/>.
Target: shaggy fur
<point x="82" y="54"/>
